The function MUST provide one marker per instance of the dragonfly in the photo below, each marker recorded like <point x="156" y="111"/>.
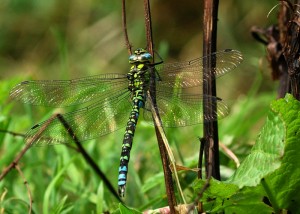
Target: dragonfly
<point x="110" y="98"/>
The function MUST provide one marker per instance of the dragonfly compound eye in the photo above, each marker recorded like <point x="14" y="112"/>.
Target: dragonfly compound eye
<point x="145" y="57"/>
<point x="140" y="56"/>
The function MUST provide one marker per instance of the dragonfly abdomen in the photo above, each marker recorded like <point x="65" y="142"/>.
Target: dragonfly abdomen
<point x="138" y="102"/>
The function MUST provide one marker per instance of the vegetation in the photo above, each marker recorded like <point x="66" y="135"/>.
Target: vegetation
<point x="69" y="39"/>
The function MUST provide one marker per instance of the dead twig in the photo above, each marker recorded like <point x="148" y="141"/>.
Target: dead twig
<point x="128" y="45"/>
<point x="27" y="186"/>
<point x="210" y="147"/>
<point x="210" y="128"/>
<point x="158" y="128"/>
<point x="28" y="144"/>
<point x="86" y="156"/>
<point x="15" y="134"/>
<point x="230" y="154"/>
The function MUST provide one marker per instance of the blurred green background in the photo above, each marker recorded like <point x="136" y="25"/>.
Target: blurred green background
<point x="69" y="39"/>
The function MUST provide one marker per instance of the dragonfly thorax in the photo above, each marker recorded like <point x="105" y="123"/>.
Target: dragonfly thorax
<point x="138" y="77"/>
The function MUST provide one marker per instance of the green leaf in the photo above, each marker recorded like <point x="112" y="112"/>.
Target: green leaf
<point x="51" y="186"/>
<point x="127" y="210"/>
<point x="272" y="169"/>
<point x="61" y="207"/>
<point x="100" y="201"/>
<point x="216" y="189"/>
<point x="284" y="183"/>
<point x="153" y="182"/>
<point x="229" y="198"/>
<point x="247" y="200"/>
<point x="265" y="156"/>
<point x="275" y="157"/>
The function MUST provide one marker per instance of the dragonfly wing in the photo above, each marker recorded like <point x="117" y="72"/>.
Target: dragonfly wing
<point x="68" y="92"/>
<point x="190" y="73"/>
<point x="98" y="119"/>
<point x="185" y="109"/>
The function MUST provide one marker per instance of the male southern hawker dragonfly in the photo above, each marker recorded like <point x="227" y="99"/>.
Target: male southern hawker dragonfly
<point x="114" y="100"/>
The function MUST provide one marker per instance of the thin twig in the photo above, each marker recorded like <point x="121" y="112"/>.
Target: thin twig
<point x="158" y="129"/>
<point x="15" y="162"/>
<point x="27" y="186"/>
<point x="148" y="26"/>
<point x="128" y="45"/>
<point x="184" y="168"/>
<point x="210" y="128"/>
<point x="292" y="50"/>
<point x="230" y="154"/>
<point x="86" y="156"/>
<point x="170" y="155"/>
<point x="209" y="176"/>
<point x="28" y="144"/>
<point x="200" y="161"/>
<point x="13" y="133"/>
<point x="24" y="135"/>
<point x="200" y="165"/>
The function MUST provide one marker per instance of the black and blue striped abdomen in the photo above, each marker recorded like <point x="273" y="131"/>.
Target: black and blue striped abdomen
<point x="138" y="102"/>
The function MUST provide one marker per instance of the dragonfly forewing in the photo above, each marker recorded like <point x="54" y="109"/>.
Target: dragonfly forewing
<point x="62" y="93"/>
<point x="190" y="73"/>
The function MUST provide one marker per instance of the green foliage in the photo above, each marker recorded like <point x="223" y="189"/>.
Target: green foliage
<point x="271" y="170"/>
<point x="126" y="210"/>
<point x="228" y="198"/>
<point x="265" y="155"/>
<point x="70" y="39"/>
<point x="283" y="184"/>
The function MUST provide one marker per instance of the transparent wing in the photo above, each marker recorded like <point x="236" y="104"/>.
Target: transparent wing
<point x="185" y="109"/>
<point x="95" y="120"/>
<point x="68" y="92"/>
<point x="190" y="73"/>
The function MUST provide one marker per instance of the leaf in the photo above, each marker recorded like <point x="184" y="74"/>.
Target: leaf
<point x="100" y="196"/>
<point x="271" y="170"/>
<point x="275" y="157"/>
<point x="247" y="200"/>
<point x="127" y="210"/>
<point x="229" y="198"/>
<point x="217" y="189"/>
<point x="51" y="186"/>
<point x="153" y="181"/>
<point x="265" y="156"/>
<point x="61" y="207"/>
<point x="284" y="183"/>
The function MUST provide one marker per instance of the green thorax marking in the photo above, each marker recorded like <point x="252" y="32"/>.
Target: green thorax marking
<point x="138" y="75"/>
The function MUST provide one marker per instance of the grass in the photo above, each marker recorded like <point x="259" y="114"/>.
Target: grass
<point x="68" y="39"/>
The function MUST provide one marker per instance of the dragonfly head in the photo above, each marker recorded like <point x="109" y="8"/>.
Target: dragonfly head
<point x="140" y="56"/>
